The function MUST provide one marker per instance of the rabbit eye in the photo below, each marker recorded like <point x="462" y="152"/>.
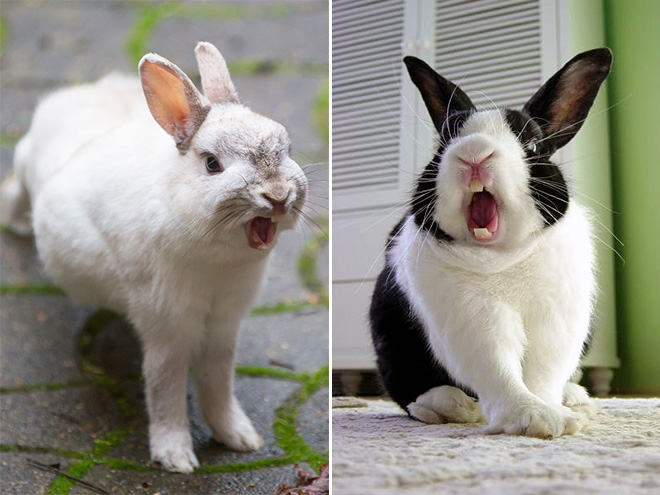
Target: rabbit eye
<point x="213" y="165"/>
<point x="531" y="146"/>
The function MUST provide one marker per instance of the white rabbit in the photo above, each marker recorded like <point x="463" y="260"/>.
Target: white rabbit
<point x="488" y="282"/>
<point x="169" y="222"/>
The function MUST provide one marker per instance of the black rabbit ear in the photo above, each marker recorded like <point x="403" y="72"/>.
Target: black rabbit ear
<point x="561" y="105"/>
<point x="440" y="95"/>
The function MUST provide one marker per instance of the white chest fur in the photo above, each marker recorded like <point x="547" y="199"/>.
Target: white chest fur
<point x="484" y="311"/>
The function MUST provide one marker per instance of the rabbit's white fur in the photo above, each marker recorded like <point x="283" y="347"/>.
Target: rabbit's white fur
<point x="532" y="289"/>
<point x="126" y="221"/>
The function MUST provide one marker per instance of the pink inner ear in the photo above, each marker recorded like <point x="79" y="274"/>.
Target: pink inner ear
<point x="166" y="97"/>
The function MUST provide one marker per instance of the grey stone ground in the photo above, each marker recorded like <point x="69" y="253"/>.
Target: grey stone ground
<point x="84" y="410"/>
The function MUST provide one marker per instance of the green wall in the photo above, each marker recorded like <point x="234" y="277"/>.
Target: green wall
<point x="590" y="160"/>
<point x="634" y="96"/>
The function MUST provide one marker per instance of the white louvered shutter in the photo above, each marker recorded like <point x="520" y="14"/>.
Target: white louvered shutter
<point x="366" y="57"/>
<point x="367" y="38"/>
<point x="491" y="49"/>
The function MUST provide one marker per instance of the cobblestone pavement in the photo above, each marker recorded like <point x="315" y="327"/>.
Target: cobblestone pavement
<point x="70" y="386"/>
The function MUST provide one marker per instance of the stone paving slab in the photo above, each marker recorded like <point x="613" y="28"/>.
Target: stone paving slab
<point x="288" y="100"/>
<point x="38" y="340"/>
<point x="262" y="482"/>
<point x="19" y="262"/>
<point x="115" y="350"/>
<point x="282" y="276"/>
<point x="17" y="477"/>
<point x="61" y="419"/>
<point x="298" y="338"/>
<point x="310" y="420"/>
<point x="6" y="154"/>
<point x="301" y="36"/>
<point x="323" y="262"/>
<point x="17" y="104"/>
<point x="75" y="41"/>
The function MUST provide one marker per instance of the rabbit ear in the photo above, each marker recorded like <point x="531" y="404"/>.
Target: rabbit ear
<point x="561" y="105"/>
<point x="216" y="82"/>
<point x="440" y="95"/>
<point x="172" y="98"/>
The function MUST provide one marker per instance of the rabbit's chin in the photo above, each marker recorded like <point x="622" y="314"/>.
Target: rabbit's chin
<point x="260" y="232"/>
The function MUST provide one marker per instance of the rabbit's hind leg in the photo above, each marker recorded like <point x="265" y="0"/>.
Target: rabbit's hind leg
<point x="14" y="196"/>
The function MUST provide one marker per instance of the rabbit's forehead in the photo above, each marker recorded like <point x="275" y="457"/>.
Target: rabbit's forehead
<point x="241" y="132"/>
<point x="492" y="122"/>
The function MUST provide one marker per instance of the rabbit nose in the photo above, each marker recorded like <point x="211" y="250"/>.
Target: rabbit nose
<point x="476" y="164"/>
<point x="277" y="197"/>
<point x="476" y="176"/>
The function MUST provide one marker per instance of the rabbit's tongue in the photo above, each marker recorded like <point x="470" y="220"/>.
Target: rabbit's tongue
<point x="260" y="232"/>
<point x="483" y="221"/>
<point x="483" y="208"/>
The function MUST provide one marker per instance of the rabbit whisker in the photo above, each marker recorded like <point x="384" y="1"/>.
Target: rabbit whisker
<point x="308" y="218"/>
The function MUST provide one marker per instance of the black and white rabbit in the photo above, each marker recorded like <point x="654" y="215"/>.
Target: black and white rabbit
<point x="488" y="285"/>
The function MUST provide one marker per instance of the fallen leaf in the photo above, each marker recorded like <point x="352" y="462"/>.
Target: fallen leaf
<point x="308" y="483"/>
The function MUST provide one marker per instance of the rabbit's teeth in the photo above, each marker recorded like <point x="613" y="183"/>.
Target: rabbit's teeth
<point x="482" y="234"/>
<point x="476" y="186"/>
<point x="276" y="218"/>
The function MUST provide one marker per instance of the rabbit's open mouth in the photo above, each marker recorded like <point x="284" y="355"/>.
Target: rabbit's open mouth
<point x="260" y="232"/>
<point x="483" y="217"/>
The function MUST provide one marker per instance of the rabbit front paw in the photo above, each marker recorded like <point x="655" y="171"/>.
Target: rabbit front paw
<point x="236" y="431"/>
<point x="535" y="420"/>
<point x="577" y="398"/>
<point x="174" y="452"/>
<point x="445" y="404"/>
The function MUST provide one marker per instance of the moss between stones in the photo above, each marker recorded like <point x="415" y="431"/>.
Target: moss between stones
<point x="72" y="454"/>
<point x="7" y="140"/>
<point x="110" y="441"/>
<point x="282" y="307"/>
<point x="30" y="289"/>
<point x="106" y="316"/>
<point x="321" y="112"/>
<point x="3" y="34"/>
<point x="293" y="444"/>
<point x="264" y="372"/>
<point x="85" y="340"/>
<point x="248" y="466"/>
<point x="62" y="485"/>
<point x="125" y="465"/>
<point x="249" y="66"/>
<point x="307" y="268"/>
<point x="285" y="423"/>
<point x="46" y="386"/>
<point x="114" y="387"/>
